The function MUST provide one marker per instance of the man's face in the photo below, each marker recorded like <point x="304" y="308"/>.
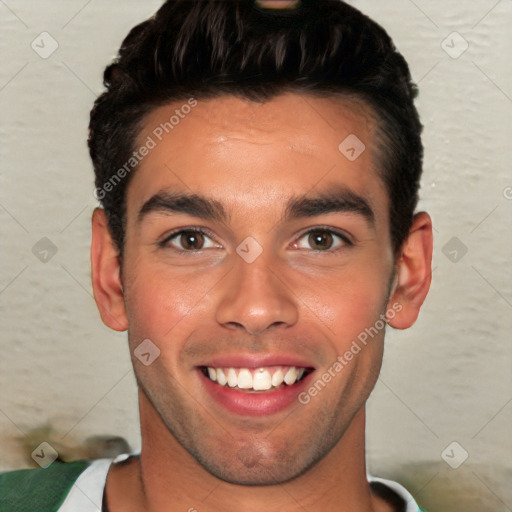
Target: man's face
<point x="256" y="249"/>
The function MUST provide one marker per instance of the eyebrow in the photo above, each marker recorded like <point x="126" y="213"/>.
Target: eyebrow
<point x="191" y="204"/>
<point x="339" y="199"/>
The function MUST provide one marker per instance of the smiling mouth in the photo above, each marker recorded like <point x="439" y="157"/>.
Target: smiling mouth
<point x="251" y="380"/>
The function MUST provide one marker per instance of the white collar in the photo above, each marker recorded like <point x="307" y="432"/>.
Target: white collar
<point x="86" y="494"/>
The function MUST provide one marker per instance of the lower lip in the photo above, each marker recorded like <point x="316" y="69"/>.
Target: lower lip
<point x="254" y="404"/>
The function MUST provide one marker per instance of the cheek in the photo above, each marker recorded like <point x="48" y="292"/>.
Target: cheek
<point x="158" y="300"/>
<point x="347" y="302"/>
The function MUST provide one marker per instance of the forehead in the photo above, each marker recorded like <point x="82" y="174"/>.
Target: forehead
<point x="232" y="148"/>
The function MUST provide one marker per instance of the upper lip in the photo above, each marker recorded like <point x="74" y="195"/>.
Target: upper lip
<point x="255" y="361"/>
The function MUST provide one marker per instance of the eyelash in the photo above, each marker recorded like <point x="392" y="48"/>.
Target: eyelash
<point x="180" y="231"/>
<point x="174" y="234"/>
<point x="346" y="242"/>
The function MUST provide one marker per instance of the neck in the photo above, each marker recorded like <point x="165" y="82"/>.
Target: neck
<point x="169" y="479"/>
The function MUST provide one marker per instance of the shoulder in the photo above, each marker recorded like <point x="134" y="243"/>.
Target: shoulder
<point x="39" y="489"/>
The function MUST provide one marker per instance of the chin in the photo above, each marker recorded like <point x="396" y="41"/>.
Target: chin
<point x="255" y="476"/>
<point x="250" y="467"/>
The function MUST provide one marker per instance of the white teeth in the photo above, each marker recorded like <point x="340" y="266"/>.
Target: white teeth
<point x="277" y="378"/>
<point x="245" y="379"/>
<point x="291" y="376"/>
<point x="261" y="379"/>
<point x="232" y="378"/>
<point x="221" y="378"/>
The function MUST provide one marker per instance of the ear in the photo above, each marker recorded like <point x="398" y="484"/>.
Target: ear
<point x="106" y="274"/>
<point x="413" y="273"/>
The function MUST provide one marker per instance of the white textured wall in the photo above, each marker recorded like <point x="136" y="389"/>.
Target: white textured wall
<point x="447" y="379"/>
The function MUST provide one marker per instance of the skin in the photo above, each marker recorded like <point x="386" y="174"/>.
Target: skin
<point x="278" y="4"/>
<point x="252" y="158"/>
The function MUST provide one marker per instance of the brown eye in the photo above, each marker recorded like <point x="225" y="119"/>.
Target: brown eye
<point x="320" y="240"/>
<point x="191" y="240"/>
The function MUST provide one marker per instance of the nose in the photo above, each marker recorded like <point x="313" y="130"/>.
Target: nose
<point x="256" y="298"/>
